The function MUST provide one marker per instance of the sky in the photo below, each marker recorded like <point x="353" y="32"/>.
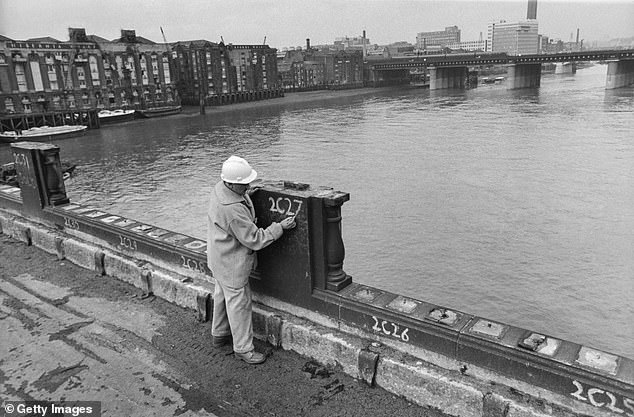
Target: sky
<point x="288" y="23"/>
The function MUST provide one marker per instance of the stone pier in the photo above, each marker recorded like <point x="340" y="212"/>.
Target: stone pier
<point x="620" y="74"/>
<point x="523" y="76"/>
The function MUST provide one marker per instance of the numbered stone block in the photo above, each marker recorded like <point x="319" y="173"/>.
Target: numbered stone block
<point x="171" y="287"/>
<point x="430" y="387"/>
<point x="125" y="269"/>
<point x="47" y="240"/>
<point x="17" y="229"/>
<point x="333" y="349"/>
<point x="80" y="253"/>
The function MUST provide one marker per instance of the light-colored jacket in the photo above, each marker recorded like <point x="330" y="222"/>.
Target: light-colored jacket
<point x="233" y="237"/>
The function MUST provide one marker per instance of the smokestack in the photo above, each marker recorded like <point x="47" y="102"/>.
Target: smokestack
<point x="532" y="10"/>
<point x="577" y="36"/>
<point x="308" y="44"/>
<point x="364" y="48"/>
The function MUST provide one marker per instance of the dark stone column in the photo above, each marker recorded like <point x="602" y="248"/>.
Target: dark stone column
<point x="39" y="175"/>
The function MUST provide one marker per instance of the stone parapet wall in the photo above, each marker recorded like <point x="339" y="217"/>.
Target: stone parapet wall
<point x="424" y="377"/>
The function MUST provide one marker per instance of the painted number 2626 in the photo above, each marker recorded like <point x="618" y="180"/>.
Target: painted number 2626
<point x="390" y="329"/>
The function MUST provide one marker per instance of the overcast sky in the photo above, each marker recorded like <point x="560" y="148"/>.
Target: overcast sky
<point x="290" y="22"/>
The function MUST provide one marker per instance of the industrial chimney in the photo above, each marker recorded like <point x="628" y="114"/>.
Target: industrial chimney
<point x="364" y="47"/>
<point x="532" y="10"/>
<point x="308" y="44"/>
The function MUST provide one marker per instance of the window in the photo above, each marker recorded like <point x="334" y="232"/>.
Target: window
<point x="166" y="70"/>
<point x="57" y="102"/>
<point x="68" y="78"/>
<point x="21" y="76"/>
<point x="119" y="61"/>
<point x="94" y="71"/>
<point x="52" y="77"/>
<point x="9" y="106"/>
<point x="71" y="101"/>
<point x="81" y="76"/>
<point x="132" y="69"/>
<point x="144" y="75"/>
<point x="26" y="105"/>
<point x="155" y="69"/>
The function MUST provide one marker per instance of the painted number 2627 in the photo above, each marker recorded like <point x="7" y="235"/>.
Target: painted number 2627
<point x="285" y="205"/>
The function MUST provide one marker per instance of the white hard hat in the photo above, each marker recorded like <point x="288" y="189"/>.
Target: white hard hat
<point x="236" y="170"/>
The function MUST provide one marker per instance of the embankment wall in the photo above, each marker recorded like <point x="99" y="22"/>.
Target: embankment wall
<point x="452" y="361"/>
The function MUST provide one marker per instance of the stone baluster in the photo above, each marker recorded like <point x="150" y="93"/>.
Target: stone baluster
<point x="336" y="279"/>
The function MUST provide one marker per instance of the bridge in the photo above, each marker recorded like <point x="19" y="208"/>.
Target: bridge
<point x="523" y="71"/>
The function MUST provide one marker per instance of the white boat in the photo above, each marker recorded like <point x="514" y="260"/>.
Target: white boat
<point x="43" y="134"/>
<point x="115" y="116"/>
<point x="158" y="111"/>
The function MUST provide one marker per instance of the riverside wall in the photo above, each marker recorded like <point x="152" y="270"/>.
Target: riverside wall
<point x="458" y="363"/>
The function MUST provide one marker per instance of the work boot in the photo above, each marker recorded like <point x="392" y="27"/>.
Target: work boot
<point x="251" y="357"/>
<point x="220" y="341"/>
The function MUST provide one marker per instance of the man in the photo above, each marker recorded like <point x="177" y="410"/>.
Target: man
<point x="232" y="239"/>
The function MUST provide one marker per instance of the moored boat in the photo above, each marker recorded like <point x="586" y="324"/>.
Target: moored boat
<point x="9" y="175"/>
<point x="159" y="111"/>
<point x="115" y="116"/>
<point x="43" y="134"/>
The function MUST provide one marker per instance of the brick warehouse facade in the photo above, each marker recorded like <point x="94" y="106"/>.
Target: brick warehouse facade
<point x="222" y="74"/>
<point x="87" y="72"/>
<point x="45" y="75"/>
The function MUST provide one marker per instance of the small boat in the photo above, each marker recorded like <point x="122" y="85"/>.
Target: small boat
<point x="43" y="133"/>
<point x="487" y="80"/>
<point x="159" y="111"/>
<point x="9" y="175"/>
<point x="115" y="116"/>
<point x="499" y="79"/>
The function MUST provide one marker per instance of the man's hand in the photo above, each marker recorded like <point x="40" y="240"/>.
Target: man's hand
<point x="253" y="188"/>
<point x="288" y="223"/>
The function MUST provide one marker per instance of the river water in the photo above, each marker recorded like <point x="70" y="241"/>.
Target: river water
<point x="517" y="206"/>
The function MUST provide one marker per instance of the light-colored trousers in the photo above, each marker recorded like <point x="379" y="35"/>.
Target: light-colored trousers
<point x="233" y="316"/>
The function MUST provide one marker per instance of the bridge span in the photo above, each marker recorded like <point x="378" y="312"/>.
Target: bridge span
<point x="523" y="71"/>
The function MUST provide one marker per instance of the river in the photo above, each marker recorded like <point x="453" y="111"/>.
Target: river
<point x="517" y="206"/>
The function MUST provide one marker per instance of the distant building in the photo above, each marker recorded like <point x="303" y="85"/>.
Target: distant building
<point x="469" y="45"/>
<point x="325" y="68"/>
<point x="442" y="38"/>
<point x="356" y="42"/>
<point x="514" y="38"/>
